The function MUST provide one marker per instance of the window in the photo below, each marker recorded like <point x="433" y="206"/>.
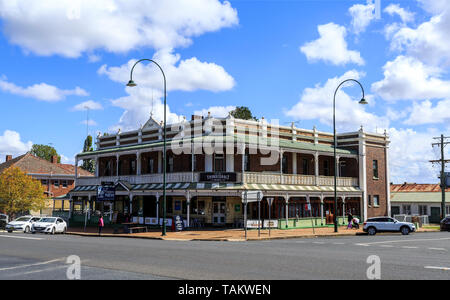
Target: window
<point x="448" y="209"/>
<point x="246" y="163"/>
<point x="170" y="164"/>
<point x="375" y="169"/>
<point x="132" y="167"/>
<point x="150" y="165"/>
<point x="376" y="200"/>
<point x="369" y="200"/>
<point x="44" y="181"/>
<point x="56" y="183"/>
<point x="305" y="167"/>
<point x="284" y="166"/>
<point x="219" y="163"/>
<point x="423" y="210"/>
<point x="406" y="209"/>
<point x="64" y="183"/>
<point x="326" y="168"/>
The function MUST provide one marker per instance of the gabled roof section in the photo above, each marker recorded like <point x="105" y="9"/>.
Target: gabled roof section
<point x="31" y="164"/>
<point x="151" y="123"/>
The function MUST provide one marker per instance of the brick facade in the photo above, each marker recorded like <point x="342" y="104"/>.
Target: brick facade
<point x="376" y="186"/>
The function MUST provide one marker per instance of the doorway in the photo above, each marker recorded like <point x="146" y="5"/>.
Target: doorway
<point x="219" y="211"/>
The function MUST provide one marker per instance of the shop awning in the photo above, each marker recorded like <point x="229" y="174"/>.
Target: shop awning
<point x="225" y="186"/>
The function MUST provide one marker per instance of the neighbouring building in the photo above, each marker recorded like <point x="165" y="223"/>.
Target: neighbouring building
<point x="211" y="162"/>
<point x="414" y="199"/>
<point x="57" y="179"/>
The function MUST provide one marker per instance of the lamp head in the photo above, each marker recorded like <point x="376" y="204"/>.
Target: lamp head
<point x="131" y="83"/>
<point x="363" y="101"/>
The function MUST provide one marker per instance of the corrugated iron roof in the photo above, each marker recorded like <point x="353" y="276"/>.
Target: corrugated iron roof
<point x="416" y="187"/>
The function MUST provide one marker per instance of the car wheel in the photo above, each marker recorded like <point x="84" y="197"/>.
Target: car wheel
<point x="9" y="231"/>
<point x="27" y="230"/>
<point x="65" y="230"/>
<point x="53" y="231"/>
<point x="405" y="230"/>
<point x="33" y="232"/>
<point x="371" y="231"/>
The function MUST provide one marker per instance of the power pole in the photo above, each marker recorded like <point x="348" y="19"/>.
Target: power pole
<point x="442" y="161"/>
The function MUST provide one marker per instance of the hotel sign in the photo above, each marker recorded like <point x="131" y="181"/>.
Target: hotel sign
<point x="106" y="192"/>
<point x="218" y="177"/>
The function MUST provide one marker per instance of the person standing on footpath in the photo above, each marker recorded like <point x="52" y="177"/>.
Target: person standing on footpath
<point x="100" y="225"/>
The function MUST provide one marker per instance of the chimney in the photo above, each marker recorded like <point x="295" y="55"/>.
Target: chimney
<point x="54" y="159"/>
<point x="8" y="157"/>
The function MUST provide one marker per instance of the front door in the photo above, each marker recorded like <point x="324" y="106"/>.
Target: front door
<point x="219" y="213"/>
<point x="435" y="215"/>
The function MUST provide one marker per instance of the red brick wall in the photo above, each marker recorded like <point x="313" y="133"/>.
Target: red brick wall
<point x="60" y="190"/>
<point x="376" y="186"/>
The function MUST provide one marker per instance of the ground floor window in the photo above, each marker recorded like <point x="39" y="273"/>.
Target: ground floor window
<point x="423" y="210"/>
<point x="406" y="209"/>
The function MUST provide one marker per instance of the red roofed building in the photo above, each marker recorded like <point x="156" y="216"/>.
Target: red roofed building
<point x="57" y="179"/>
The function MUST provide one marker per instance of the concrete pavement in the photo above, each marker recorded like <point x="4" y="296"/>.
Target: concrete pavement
<point x="417" y="256"/>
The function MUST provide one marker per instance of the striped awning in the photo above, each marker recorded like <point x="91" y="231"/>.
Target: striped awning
<point x="226" y="186"/>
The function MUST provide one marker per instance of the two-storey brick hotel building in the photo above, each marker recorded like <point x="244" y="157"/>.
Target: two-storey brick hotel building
<point x="211" y="162"/>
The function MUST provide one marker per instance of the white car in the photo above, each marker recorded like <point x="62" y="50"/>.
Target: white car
<point x="387" y="224"/>
<point x="23" y="224"/>
<point x="50" y="225"/>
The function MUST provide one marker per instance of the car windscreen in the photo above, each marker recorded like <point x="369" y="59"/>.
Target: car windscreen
<point x="22" y="219"/>
<point x="48" y="220"/>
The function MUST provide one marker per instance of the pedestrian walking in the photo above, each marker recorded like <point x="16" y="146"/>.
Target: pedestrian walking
<point x="350" y="220"/>
<point x="100" y="225"/>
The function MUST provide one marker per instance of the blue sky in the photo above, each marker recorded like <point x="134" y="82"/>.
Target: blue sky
<point x="283" y="59"/>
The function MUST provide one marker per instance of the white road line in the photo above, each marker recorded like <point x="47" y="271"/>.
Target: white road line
<point x="42" y="270"/>
<point x="438" y="249"/>
<point x="438" y="268"/>
<point x="338" y="243"/>
<point x="401" y="241"/>
<point x="32" y="265"/>
<point x="320" y="243"/>
<point x="410" y="247"/>
<point x="20" y="237"/>
<point x="387" y="246"/>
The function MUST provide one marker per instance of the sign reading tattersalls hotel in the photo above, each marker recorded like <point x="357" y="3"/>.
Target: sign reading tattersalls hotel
<point x="218" y="177"/>
<point x="212" y="162"/>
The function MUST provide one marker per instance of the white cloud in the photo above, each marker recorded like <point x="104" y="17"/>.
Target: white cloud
<point x="429" y="41"/>
<point x="395" y="9"/>
<point x="407" y="78"/>
<point x="317" y="103"/>
<point x="138" y="108"/>
<point x="93" y="58"/>
<point x="409" y="155"/>
<point x="425" y="113"/>
<point x="362" y="16"/>
<point x="331" y="47"/>
<point x="41" y="91"/>
<point x="71" y="27"/>
<point x="216" y="111"/>
<point x="89" y="123"/>
<point x="11" y="144"/>
<point x="185" y="75"/>
<point x="92" y="105"/>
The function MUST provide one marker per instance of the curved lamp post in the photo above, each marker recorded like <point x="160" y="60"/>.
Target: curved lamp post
<point x="362" y="101"/>
<point x="131" y="83"/>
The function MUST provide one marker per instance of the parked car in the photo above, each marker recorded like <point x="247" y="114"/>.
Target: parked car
<point x="445" y="224"/>
<point x="23" y="224"/>
<point x="50" y="225"/>
<point x="387" y="224"/>
<point x="3" y="221"/>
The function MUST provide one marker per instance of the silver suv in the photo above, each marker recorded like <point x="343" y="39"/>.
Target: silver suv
<point x="387" y="224"/>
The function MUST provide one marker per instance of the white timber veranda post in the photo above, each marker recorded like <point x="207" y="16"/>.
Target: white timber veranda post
<point x="337" y="166"/>
<point x="138" y="163"/>
<point x="343" y="209"/>
<point x="287" y="211"/>
<point x="131" y="204"/>
<point x="316" y="167"/>
<point x="294" y="163"/>
<point x="321" y="209"/>
<point x="157" y="206"/>
<point x="188" y="203"/>
<point x="281" y="166"/>
<point x="117" y="164"/>
<point x="97" y="164"/>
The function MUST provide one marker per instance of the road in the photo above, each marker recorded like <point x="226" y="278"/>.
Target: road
<point x="417" y="256"/>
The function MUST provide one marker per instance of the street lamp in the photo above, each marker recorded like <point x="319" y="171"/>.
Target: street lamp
<point x="362" y="101"/>
<point x="131" y="83"/>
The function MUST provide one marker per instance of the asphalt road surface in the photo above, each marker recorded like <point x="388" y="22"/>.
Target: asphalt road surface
<point x="417" y="256"/>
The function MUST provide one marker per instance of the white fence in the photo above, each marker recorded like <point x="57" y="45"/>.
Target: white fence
<point x="423" y="220"/>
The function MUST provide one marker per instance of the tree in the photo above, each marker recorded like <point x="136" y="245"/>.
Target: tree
<point x="243" y="112"/>
<point x="88" y="164"/>
<point x="19" y="192"/>
<point x="44" y="151"/>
